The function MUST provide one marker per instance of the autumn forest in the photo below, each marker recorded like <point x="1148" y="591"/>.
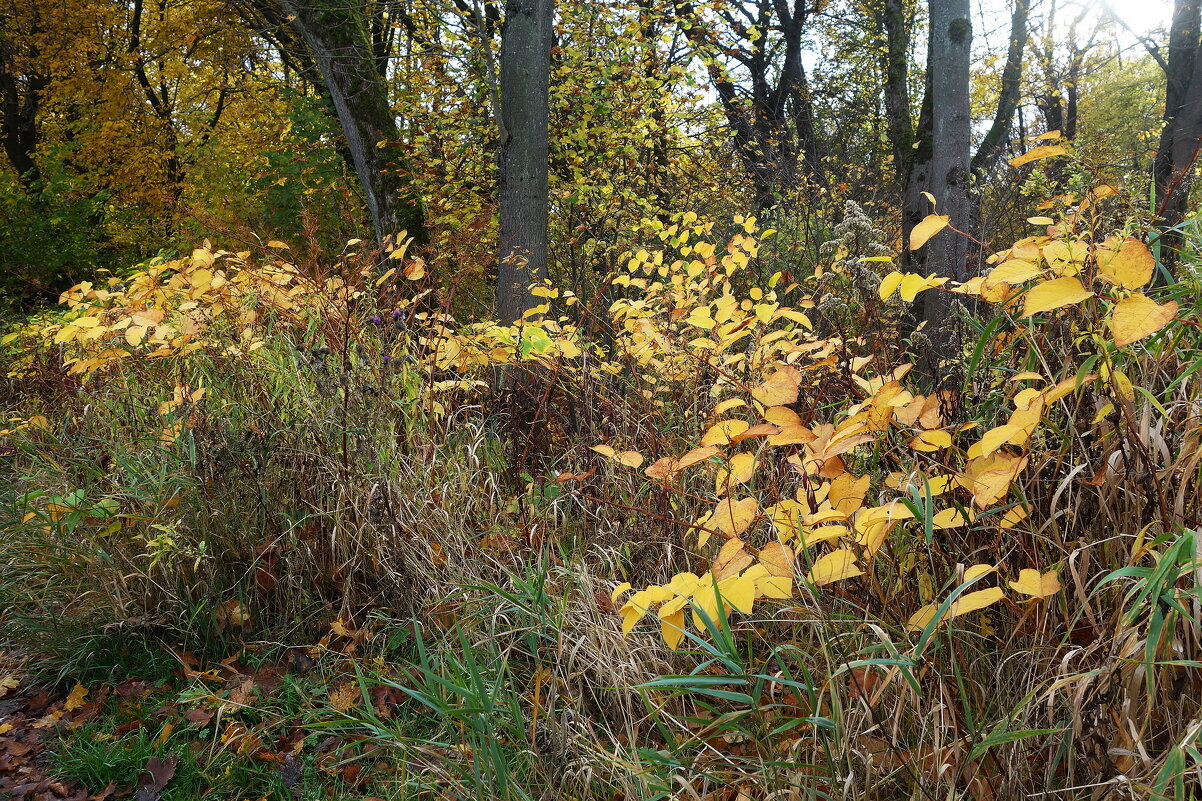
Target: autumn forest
<point x="708" y="400"/>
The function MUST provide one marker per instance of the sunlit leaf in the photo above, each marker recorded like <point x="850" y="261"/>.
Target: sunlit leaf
<point x="1037" y="153"/>
<point x="972" y="601"/>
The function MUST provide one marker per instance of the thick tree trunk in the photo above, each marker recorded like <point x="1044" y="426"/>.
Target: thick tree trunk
<point x="951" y="139"/>
<point x="1181" y="137"/>
<point x="1011" y="93"/>
<point x="525" y="74"/>
<point x="337" y="37"/>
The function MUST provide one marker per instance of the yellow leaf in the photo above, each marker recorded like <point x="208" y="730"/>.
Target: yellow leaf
<point x="732" y="559"/>
<point x="1030" y="582"/>
<point x="618" y="590"/>
<point x="671" y="628"/>
<point x="922" y="618"/>
<point x="914" y="283"/>
<point x="732" y="517"/>
<point x="415" y="270"/>
<point x="739" y="470"/>
<point x="835" y="566"/>
<point x="695" y="456"/>
<point x="777" y="559"/>
<point x="931" y="225"/>
<point x="989" y="478"/>
<point x="1139" y="316"/>
<point x="972" y="601"/>
<point x="201" y="258"/>
<point x="76" y="697"/>
<point x="929" y="441"/>
<point x="1066" y="387"/>
<point x="630" y="458"/>
<point x="1037" y="153"/>
<point x="1054" y="294"/>
<point x="1014" y="271"/>
<point x="992" y="440"/>
<point x="847" y="492"/>
<point x="722" y="433"/>
<point x="728" y="404"/>
<point x="758" y="430"/>
<point x="738" y="592"/>
<point x="890" y="283"/>
<point x="1040" y="220"/>
<point x="1128" y="263"/>
<point x="275" y="243"/>
<point x="780" y="389"/>
<point x="951" y="518"/>
<point x="976" y="571"/>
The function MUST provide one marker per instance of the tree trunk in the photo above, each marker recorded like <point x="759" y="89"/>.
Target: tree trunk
<point x="1011" y="93"/>
<point x="20" y="103"/>
<point x="525" y="74"/>
<point x="951" y="139"/>
<point x="336" y="34"/>
<point x="895" y="76"/>
<point x="1177" y="152"/>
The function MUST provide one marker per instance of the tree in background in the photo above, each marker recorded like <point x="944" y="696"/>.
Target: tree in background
<point x="525" y="73"/>
<point x="350" y="46"/>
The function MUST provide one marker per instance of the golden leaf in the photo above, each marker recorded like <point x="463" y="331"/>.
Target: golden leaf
<point x="976" y="571"/>
<point x="732" y="559"/>
<point x="722" y="433"/>
<point x="777" y="558"/>
<point x="1030" y="582"/>
<point x="922" y="618"/>
<point x="929" y="441"/>
<point x="972" y="601"/>
<point x="671" y="628"/>
<point x="732" y="517"/>
<point x="1037" y="153"/>
<point x="1128" y="262"/>
<point x="931" y="225"/>
<point x="1054" y="294"/>
<point x="76" y="697"/>
<point x="1139" y="316"/>
<point x="780" y="389"/>
<point x="739" y="470"/>
<point x="835" y="566"/>
<point x="1014" y="271"/>
<point x="738" y="592"/>
<point x="693" y="457"/>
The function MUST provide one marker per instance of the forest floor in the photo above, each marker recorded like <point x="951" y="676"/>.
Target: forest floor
<point x="245" y="726"/>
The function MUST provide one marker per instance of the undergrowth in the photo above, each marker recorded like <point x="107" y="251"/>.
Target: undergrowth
<point x="862" y="582"/>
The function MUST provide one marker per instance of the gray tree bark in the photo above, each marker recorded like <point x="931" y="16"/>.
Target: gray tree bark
<point x="525" y="75"/>
<point x="951" y="142"/>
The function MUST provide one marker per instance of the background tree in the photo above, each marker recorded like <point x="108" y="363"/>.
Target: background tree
<point x="525" y="73"/>
<point x="1177" y="153"/>
<point x="753" y="55"/>
<point x="350" y="45"/>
